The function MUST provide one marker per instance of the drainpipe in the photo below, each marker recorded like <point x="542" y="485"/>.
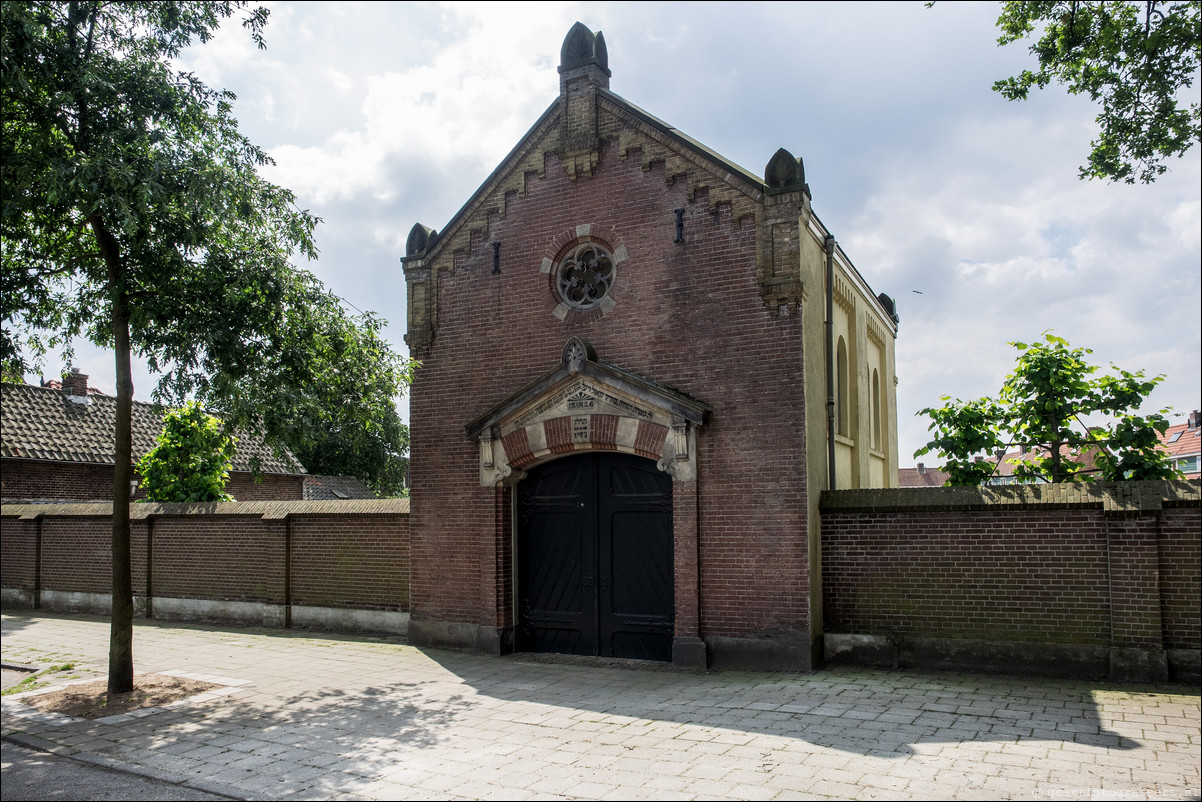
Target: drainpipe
<point x="830" y="361"/>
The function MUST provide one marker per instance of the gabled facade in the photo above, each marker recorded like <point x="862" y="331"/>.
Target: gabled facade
<point x="639" y="362"/>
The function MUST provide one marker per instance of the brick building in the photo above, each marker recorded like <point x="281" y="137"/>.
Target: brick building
<point x="621" y="426"/>
<point x="57" y="445"/>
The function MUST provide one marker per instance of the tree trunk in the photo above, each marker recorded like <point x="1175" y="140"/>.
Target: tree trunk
<point x="1057" y="471"/>
<point x="121" y="631"/>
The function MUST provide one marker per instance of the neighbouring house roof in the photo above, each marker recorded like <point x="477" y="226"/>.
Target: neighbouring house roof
<point x="922" y="476"/>
<point x="52" y="425"/>
<point x="330" y="488"/>
<point x="1184" y="440"/>
<point x="55" y="384"/>
<point x="1180" y="441"/>
<point x="1004" y="474"/>
<point x="1011" y="459"/>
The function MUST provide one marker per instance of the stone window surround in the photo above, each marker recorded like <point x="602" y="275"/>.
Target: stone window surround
<point x="563" y="244"/>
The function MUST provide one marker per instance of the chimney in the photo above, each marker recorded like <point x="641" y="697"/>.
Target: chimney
<point x="922" y="468"/>
<point x="1194" y="420"/>
<point x="75" y="383"/>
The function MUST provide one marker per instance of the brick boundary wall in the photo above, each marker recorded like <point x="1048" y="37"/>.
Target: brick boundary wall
<point x="39" y="482"/>
<point x="1094" y="580"/>
<point x="340" y="565"/>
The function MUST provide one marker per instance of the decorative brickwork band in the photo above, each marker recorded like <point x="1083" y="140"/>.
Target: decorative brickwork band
<point x="604" y="430"/>
<point x="650" y="439"/>
<point x="517" y="446"/>
<point x="558" y="432"/>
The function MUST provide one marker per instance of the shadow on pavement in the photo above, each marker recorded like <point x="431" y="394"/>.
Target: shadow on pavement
<point x="329" y="739"/>
<point x="866" y="711"/>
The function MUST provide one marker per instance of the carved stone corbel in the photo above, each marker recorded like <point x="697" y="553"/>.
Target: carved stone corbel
<point x="494" y="465"/>
<point x="680" y="435"/>
<point x="678" y="458"/>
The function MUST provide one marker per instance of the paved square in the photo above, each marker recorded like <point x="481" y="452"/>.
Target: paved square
<point x="338" y="717"/>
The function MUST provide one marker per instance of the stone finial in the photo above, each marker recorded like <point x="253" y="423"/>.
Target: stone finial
<point x="890" y="307"/>
<point x="785" y="173"/>
<point x="583" y="71"/>
<point x="576" y="352"/>
<point x="583" y="48"/>
<point x="420" y="239"/>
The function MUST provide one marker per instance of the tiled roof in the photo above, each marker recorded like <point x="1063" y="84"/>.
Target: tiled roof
<point x="1181" y="441"/>
<point x="1185" y="441"/>
<point x="43" y="423"/>
<point x="55" y="384"/>
<point x="330" y="488"/>
<point x="926" y="477"/>
<point x="1008" y="466"/>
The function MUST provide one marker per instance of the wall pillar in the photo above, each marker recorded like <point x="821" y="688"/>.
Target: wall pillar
<point x="688" y="649"/>
<point x="1137" y="631"/>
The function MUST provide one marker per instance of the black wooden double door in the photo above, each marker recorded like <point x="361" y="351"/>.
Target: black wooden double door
<point x="595" y="558"/>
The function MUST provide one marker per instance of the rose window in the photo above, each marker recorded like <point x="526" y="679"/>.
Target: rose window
<point x="585" y="276"/>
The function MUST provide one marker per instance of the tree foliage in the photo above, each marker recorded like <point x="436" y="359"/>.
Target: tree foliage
<point x="343" y="419"/>
<point x="347" y="423"/>
<point x="134" y="215"/>
<point x="1137" y="59"/>
<point x="1043" y="408"/>
<point x="191" y="459"/>
<point x="963" y="430"/>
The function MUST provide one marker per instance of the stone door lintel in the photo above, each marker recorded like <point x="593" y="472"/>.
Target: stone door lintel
<point x="588" y="405"/>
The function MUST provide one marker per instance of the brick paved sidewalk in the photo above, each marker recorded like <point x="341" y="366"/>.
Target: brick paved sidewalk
<point x="331" y="717"/>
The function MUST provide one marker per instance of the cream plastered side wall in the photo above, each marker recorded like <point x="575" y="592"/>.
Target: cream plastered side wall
<point x="854" y="318"/>
<point x="863" y="458"/>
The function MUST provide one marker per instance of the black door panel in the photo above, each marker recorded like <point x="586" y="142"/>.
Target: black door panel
<point x="595" y="564"/>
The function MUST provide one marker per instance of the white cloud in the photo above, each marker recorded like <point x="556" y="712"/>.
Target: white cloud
<point x="383" y="115"/>
<point x="341" y="81"/>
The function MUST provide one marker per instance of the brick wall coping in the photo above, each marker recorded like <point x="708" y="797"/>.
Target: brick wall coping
<point x="1115" y="498"/>
<point x="267" y="510"/>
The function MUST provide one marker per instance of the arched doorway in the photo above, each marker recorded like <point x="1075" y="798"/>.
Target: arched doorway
<point x="595" y="557"/>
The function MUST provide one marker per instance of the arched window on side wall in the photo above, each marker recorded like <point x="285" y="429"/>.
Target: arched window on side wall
<point x="876" y="409"/>
<point x="842" y="401"/>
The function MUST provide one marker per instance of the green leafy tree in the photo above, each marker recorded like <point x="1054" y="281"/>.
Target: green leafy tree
<point x="1137" y="59"/>
<point x="1043" y="408"/>
<point x="963" y="430"/>
<point x="191" y="459"/>
<point x="345" y="422"/>
<point x="134" y="216"/>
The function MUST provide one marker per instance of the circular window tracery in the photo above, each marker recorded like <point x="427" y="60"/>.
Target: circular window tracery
<point x="585" y="276"/>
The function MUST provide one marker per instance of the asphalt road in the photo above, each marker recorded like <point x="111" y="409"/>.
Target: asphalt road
<point x="32" y="775"/>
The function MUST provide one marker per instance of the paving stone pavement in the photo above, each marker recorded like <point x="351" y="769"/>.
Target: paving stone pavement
<point x="310" y="716"/>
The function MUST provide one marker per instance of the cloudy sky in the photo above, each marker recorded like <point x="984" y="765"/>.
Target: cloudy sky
<point x="963" y="206"/>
